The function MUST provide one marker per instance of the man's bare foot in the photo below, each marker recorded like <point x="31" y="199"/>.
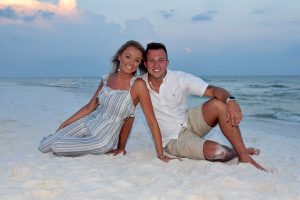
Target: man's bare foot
<point x="253" y="151"/>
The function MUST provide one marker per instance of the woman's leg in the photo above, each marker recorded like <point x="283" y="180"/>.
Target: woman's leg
<point x="76" y="130"/>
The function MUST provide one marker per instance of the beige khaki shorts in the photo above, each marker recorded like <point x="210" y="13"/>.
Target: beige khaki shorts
<point x="190" y="140"/>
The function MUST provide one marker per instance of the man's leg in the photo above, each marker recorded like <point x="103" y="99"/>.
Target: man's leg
<point x="214" y="151"/>
<point x="214" y="112"/>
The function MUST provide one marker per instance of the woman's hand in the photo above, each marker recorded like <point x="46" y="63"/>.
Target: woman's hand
<point x="115" y="152"/>
<point x="60" y="127"/>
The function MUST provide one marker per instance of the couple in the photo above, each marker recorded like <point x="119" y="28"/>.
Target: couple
<point x="107" y="119"/>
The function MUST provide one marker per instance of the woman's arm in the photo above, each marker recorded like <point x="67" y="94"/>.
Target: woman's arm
<point x="85" y="110"/>
<point x="125" y="131"/>
<point x="144" y="98"/>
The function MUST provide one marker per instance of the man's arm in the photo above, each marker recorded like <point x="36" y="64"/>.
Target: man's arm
<point x="125" y="131"/>
<point x="217" y="92"/>
<point x="234" y="113"/>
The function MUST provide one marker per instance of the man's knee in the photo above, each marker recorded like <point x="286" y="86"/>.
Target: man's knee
<point x="215" y="104"/>
<point x="211" y="110"/>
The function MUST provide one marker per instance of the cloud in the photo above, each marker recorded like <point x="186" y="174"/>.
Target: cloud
<point x="8" y="13"/>
<point x="206" y="16"/>
<point x="259" y="11"/>
<point x="187" y="49"/>
<point x="30" y="10"/>
<point x="46" y="15"/>
<point x="67" y="6"/>
<point x="60" y="45"/>
<point x="140" y="29"/>
<point x="167" y="13"/>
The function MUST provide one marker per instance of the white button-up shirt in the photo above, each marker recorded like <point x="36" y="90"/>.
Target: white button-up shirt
<point x="170" y="103"/>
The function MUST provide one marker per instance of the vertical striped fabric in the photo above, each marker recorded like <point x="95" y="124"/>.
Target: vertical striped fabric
<point x="96" y="133"/>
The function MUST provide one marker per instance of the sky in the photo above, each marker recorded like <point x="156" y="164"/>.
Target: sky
<point x="69" y="38"/>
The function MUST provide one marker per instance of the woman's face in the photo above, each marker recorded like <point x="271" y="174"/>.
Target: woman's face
<point x="130" y="60"/>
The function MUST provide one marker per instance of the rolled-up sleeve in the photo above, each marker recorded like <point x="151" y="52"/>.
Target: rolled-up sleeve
<point x="192" y="84"/>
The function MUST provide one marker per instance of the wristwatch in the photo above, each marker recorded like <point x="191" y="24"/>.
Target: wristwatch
<point x="230" y="98"/>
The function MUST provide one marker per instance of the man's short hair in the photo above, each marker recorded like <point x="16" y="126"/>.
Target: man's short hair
<point x="155" y="46"/>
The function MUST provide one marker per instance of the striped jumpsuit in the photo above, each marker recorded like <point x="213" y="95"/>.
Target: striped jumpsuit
<point x="96" y="133"/>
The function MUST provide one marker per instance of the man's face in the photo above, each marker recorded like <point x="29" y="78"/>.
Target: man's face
<point x="157" y="63"/>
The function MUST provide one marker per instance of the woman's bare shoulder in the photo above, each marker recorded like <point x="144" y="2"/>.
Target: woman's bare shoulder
<point x="139" y="83"/>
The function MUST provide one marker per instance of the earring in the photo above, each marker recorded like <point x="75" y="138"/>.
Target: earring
<point x="118" y="69"/>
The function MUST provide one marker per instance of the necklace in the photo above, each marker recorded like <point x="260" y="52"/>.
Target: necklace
<point x="151" y="86"/>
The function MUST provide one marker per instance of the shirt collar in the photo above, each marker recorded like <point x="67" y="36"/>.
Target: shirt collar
<point x="165" y="78"/>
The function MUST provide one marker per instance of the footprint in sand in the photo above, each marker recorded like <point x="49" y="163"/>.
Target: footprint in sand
<point x="41" y="189"/>
<point x="21" y="172"/>
<point x="7" y="121"/>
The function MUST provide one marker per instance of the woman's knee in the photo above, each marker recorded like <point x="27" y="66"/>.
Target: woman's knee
<point x="44" y="148"/>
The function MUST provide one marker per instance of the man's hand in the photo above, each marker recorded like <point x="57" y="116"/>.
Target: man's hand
<point x="115" y="152"/>
<point x="165" y="158"/>
<point x="234" y="113"/>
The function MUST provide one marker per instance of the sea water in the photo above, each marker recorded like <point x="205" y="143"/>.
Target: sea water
<point x="264" y="97"/>
<point x="274" y="98"/>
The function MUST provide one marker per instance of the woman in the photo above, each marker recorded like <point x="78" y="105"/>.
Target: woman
<point x="96" y="127"/>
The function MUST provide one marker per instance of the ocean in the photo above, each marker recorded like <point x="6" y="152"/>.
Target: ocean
<point x="274" y="98"/>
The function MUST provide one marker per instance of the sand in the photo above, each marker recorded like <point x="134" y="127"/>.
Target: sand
<point x="31" y="112"/>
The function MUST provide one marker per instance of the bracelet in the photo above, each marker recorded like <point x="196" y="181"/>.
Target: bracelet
<point x="230" y="98"/>
<point x="160" y="156"/>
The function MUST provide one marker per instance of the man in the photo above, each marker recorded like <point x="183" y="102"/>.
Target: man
<point x="183" y="131"/>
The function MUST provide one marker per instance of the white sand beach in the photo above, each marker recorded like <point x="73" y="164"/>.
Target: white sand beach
<point x="29" y="113"/>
